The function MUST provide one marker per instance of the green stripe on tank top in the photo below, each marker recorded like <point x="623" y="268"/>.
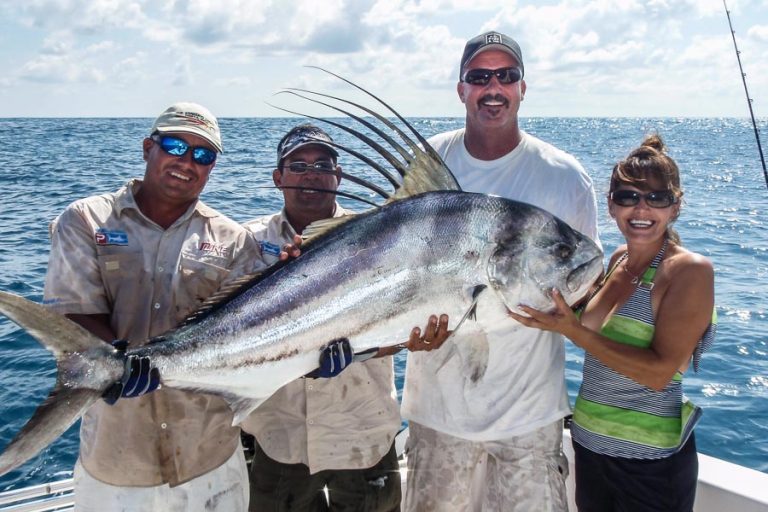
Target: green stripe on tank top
<point x="634" y="426"/>
<point x="628" y="331"/>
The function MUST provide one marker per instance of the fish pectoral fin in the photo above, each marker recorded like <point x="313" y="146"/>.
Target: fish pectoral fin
<point x="472" y="311"/>
<point x="242" y="407"/>
<point x="451" y="350"/>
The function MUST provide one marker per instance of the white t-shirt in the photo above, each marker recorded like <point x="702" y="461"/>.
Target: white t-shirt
<point x="524" y="385"/>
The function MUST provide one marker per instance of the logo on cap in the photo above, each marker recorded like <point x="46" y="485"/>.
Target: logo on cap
<point x="195" y="118"/>
<point x="493" y="38"/>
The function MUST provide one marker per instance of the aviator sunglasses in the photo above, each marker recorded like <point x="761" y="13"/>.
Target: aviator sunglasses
<point x="304" y="167"/>
<point x="655" y="199"/>
<point x="483" y="76"/>
<point x="177" y="147"/>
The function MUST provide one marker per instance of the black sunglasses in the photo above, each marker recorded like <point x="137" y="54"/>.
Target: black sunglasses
<point x="304" y="167"/>
<point x="483" y="76"/>
<point x="177" y="147"/>
<point x="655" y="199"/>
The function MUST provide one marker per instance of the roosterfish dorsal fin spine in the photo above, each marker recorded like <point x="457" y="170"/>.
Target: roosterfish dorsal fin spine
<point x="321" y="227"/>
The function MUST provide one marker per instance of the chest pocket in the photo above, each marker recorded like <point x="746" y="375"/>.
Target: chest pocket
<point x="123" y="275"/>
<point x="198" y="280"/>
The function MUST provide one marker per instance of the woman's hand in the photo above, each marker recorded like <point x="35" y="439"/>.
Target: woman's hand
<point x="562" y="319"/>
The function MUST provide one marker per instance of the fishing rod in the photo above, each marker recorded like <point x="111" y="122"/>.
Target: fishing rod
<point x="746" y="91"/>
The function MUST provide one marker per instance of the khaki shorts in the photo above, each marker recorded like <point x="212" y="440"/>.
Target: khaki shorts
<point x="523" y="473"/>
<point x="225" y="489"/>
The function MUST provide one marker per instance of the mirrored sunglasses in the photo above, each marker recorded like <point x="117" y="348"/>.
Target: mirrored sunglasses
<point x="177" y="147"/>
<point x="655" y="199"/>
<point x="304" y="167"/>
<point x="483" y="76"/>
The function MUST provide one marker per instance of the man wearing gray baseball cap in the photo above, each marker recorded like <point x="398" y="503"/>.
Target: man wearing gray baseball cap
<point x="496" y="444"/>
<point x="131" y="265"/>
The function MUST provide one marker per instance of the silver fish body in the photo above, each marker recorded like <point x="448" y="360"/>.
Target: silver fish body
<point x="370" y="281"/>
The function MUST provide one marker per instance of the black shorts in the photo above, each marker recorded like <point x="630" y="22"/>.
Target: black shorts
<point x="605" y="483"/>
<point x="278" y="487"/>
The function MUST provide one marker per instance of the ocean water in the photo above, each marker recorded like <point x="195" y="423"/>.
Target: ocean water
<point x="48" y="163"/>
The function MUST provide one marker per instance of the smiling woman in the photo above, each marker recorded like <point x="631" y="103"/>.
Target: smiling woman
<point x="640" y="329"/>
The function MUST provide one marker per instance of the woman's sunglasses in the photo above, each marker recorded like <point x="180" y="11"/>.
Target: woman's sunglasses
<point x="483" y="76"/>
<point x="655" y="199"/>
<point x="177" y="147"/>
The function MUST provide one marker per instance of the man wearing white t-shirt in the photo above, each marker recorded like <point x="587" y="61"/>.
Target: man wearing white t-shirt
<point x="497" y="444"/>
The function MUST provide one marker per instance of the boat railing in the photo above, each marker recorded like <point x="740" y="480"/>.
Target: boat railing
<point x="56" y="496"/>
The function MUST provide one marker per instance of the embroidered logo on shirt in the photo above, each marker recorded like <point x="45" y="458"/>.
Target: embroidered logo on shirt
<point x="110" y="237"/>
<point x="212" y="248"/>
<point x="269" y="248"/>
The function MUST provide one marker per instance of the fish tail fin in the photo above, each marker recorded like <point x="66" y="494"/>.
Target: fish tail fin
<point x="53" y="417"/>
<point x="86" y="366"/>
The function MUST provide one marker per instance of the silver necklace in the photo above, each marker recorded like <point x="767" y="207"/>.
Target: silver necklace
<point x="635" y="278"/>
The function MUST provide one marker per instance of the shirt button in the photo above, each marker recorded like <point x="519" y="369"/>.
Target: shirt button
<point x="311" y="422"/>
<point x="157" y="305"/>
<point x="159" y="269"/>
<point x="163" y="426"/>
<point x="309" y="387"/>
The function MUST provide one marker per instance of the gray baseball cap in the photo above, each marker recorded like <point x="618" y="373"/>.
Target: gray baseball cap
<point x="490" y="41"/>
<point x="192" y="118"/>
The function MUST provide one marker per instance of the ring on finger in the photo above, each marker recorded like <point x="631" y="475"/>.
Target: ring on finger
<point x="426" y="342"/>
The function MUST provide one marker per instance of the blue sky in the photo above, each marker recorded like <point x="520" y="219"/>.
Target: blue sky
<point x="99" y="58"/>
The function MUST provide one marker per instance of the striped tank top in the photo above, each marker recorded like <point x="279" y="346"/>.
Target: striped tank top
<point x="616" y="416"/>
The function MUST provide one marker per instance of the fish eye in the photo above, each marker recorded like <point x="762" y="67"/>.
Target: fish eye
<point x="563" y="251"/>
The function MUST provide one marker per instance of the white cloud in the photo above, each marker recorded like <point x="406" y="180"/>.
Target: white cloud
<point x="758" y="32"/>
<point x="87" y="16"/>
<point x="405" y="50"/>
<point x="60" y="69"/>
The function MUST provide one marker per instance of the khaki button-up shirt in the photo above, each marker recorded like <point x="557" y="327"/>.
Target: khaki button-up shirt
<point x="108" y="258"/>
<point x="346" y="422"/>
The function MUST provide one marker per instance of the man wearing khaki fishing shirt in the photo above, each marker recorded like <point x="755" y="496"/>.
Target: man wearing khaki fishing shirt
<point x="133" y="264"/>
<point x="496" y="444"/>
<point x="315" y="432"/>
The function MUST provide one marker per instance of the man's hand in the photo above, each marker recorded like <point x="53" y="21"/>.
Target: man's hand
<point x="139" y="377"/>
<point x="434" y="335"/>
<point x="336" y="357"/>
<point x="293" y="250"/>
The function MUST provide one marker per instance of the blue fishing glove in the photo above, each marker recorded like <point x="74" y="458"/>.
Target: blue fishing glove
<point x="336" y="357"/>
<point x="139" y="377"/>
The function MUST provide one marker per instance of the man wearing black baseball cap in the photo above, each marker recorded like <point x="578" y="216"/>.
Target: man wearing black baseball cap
<point x="496" y="444"/>
<point x="318" y="431"/>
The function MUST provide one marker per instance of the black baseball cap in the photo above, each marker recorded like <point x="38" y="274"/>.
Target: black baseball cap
<point x="491" y="41"/>
<point x="301" y="136"/>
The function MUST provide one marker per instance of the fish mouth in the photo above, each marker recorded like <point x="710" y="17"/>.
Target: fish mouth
<point x="576" y="277"/>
